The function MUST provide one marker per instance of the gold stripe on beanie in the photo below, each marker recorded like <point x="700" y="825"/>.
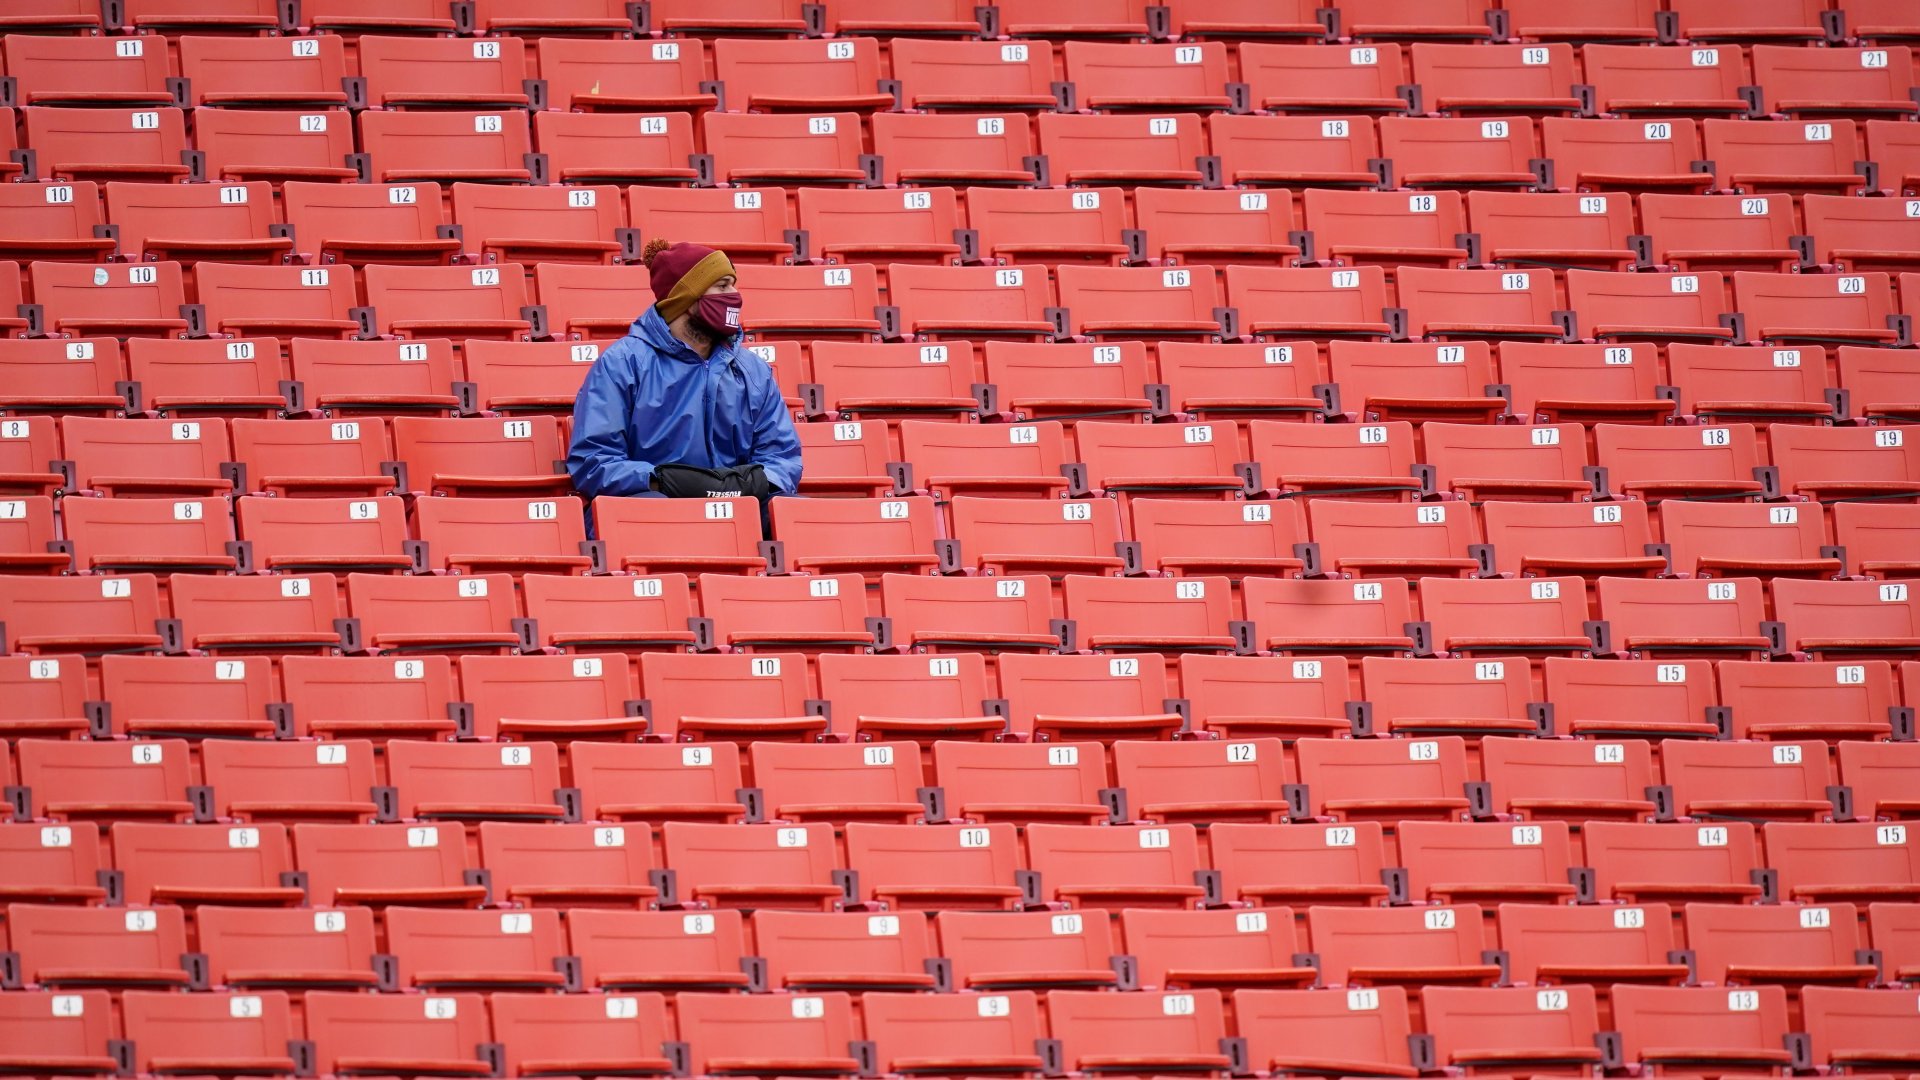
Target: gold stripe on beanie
<point x="693" y="283"/>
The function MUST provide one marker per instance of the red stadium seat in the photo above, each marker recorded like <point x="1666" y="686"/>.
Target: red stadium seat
<point x="538" y="224"/>
<point x="949" y="867"/>
<point x="1180" y="950"/>
<point x="60" y="16"/>
<point x="28" y="448"/>
<point x="1861" y="234"/>
<point x="1139" y="302"/>
<point x="1792" y="307"/>
<point x="1049" y="226"/>
<point x="1789" y="157"/>
<point x="617" y="148"/>
<point x="1835" y="82"/>
<point x="682" y="783"/>
<point x="1144" y="1031"/>
<point x="1389" y="380"/>
<point x="1015" y="536"/>
<point x="503" y="535"/>
<point x="1234" y="540"/>
<point x="1497" y="305"/>
<point x="440" y="73"/>
<point x="1850" y="861"/>
<point x="810" y="1034"/>
<point x="209" y="377"/>
<point x="1675" y="463"/>
<point x="971" y="302"/>
<point x="536" y="697"/>
<point x="846" y="460"/>
<point x="188" y="865"/>
<point x="129" y="300"/>
<point x="1241" y="697"/>
<point x="864" y="536"/>
<point x="1880" y="775"/>
<point x="1379" y="539"/>
<point x="1462" y="80"/>
<point x="874" y="226"/>
<point x="753" y="866"/>
<point x="444" y="147"/>
<point x="1659" y="307"/>
<point x="1552" y="780"/>
<point x="1858" y="1029"/>
<point x="89" y="616"/>
<point x="1719" y="382"/>
<point x="528" y="376"/>
<point x="733" y="18"/>
<point x="1814" y="700"/>
<point x="1496" y="617"/>
<point x="54" y="222"/>
<point x="840" y="782"/>
<point x="1384" y="228"/>
<point x="953" y="148"/>
<point x="1513" y="1028"/>
<point x="1678" y="1030"/>
<point x="805" y="302"/>
<point x="657" y="536"/>
<point x="1406" y="946"/>
<point x="332" y="459"/>
<point x="188" y="223"/>
<point x="1305" y="151"/>
<point x="1717" y="20"/>
<point x="1331" y="615"/>
<point x="966" y="614"/>
<point x="946" y="75"/>
<point x="46" y="697"/>
<point x="464" y="457"/>
<point x="241" y="144"/>
<point x="1397" y="19"/>
<point x="1552" y="230"/>
<point x="108" y="143"/>
<point x="51" y="864"/>
<point x="376" y="865"/>
<point x="1300" y="864"/>
<point x="1203" y="781"/>
<point x="105" y="781"/>
<point x="1121" y="615"/>
<point x="1302" y="1032"/>
<point x="1728" y="539"/>
<point x="850" y="951"/>
<point x="1805" y="946"/>
<point x="1069" y="382"/>
<point x="258" y="614"/>
<point x="27" y="544"/>
<point x="1384" y="780"/>
<point x="1878" y="537"/>
<point x="67" y="1031"/>
<point x="959" y="1031"/>
<point x="63" y="947"/>
<point x="1637" y="862"/>
<point x="282" y="302"/>
<point x="1484" y="462"/>
<point x="1587" y="384"/>
<point x="467" y="782"/>
<point x="1754" y="781"/>
<point x="624" y="76"/>
<point x="1084" y="18"/>
<point x="470" y="950"/>
<point x="148" y="458"/>
<point x="397" y="1032"/>
<point x="767" y="75"/>
<point x="1088" y="697"/>
<point x="729" y="698"/>
<point x="58" y="375"/>
<point x="828" y="612"/>
<point x="1684" y="619"/>
<point x="659" y="950"/>
<point x="1599" y="945"/>
<point x="1280" y="303"/>
<point x="1472" y="697"/>
<point x="1720" y="232"/>
<point x="196" y="697"/>
<point x="1113" y="77"/>
<point x="1082" y="149"/>
<point x="1121" y="865"/>
<point x="246" y="72"/>
<point x="448" y="301"/>
<point x="210" y="1032"/>
<point x="1217" y="227"/>
<point x="261" y="780"/>
<point x="785" y="149"/>
<point x="1010" y="782"/>
<point x="1235" y="20"/>
<point x="1309" y="79"/>
<point x="1632" y="81"/>
<point x="1461" y="152"/>
<point x="591" y="301"/>
<point x="621" y="1032"/>
<point x="372" y="697"/>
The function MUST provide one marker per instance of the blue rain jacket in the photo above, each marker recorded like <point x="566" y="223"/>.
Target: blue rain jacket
<point x="650" y="400"/>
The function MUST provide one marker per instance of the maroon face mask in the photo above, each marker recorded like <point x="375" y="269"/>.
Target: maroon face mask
<point x="718" y="313"/>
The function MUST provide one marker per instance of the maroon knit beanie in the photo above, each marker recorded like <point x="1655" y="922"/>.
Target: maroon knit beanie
<point x="681" y="273"/>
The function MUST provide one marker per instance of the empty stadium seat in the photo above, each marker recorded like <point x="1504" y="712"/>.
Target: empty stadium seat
<point x="52" y="864"/>
<point x="866" y="781"/>
<point x="844" y="950"/>
<point x="538" y="224"/>
<point x="1845" y="861"/>
<point x="1596" y="945"/>
<point x="28" y="448"/>
<point x="259" y="614"/>
<point x="965" y="614"/>
<point x="1010" y="782"/>
<point x="56" y="375"/>
<point x="624" y="1031"/>
<point x="189" y="864"/>
<point x="1876" y="234"/>
<point x="1331" y="615"/>
<point x="659" y="950"/>
<point x="1497" y="305"/>
<point x="960" y="1031"/>
<point x="1144" y="1031"/>
<point x="1791" y="307"/>
<point x="1158" y="615"/>
<point x="1233" y="540"/>
<point x="1291" y="79"/>
<point x="1244" y="380"/>
<point x="294" y="459"/>
<point x="1720" y="232"/>
<point x="1462" y="80"/>
<point x="1300" y="864"/>
<point x="86" y="615"/>
<point x="275" y="146"/>
<point x="1460" y="152"/>
<point x="63" y="947"/>
<point x="1658" y="307"/>
<point x="1472" y="697"/>
<point x="213" y="1031"/>
<point x="811" y="613"/>
<point x="622" y="75"/>
<point x="1626" y="155"/>
<point x="1182" y="950"/>
<point x="1689" y="1028"/>
<point x="1716" y="20"/>
<point x="1490" y="1030"/>
<point x="1719" y="382"/>
<point x="1633" y="81"/>
<point x="1123" y="865"/>
<point x="1551" y="780"/>
<point x="46" y="696"/>
<point x="163" y="536"/>
<point x="1304" y="151"/>
<point x="729" y="697"/>
<point x="447" y="781"/>
<point x="1218" y="227"/>
<point x="468" y="457"/>
<point x="1638" y="863"/>
<point x="27" y="544"/>
<point x="690" y="783"/>
<point x="1751" y="539"/>
<point x="866" y="536"/>
<point x="325" y="535"/>
<point x="1396" y="19"/>
<point x="1015" y="536"/>
<point x="1656" y="463"/>
<point x="1879" y="774"/>
<point x="438" y="73"/>
<point x="503" y="534"/>
<point x="108" y="143"/>
<point x="468" y="950"/>
<point x="1303" y="1031"/>
<point x="617" y="148"/>
<point x="1682" y="619"/>
<point x="376" y="1032"/>
<point x="1276" y="302"/>
<point x="1380" y="539"/>
<point x="1125" y="78"/>
<point x="795" y="148"/>
<point x="209" y="377"/>
<point x="1552" y="230"/>
<point x="1242" y="697"/>
<point x="128" y="300"/>
<point x="55" y="222"/>
<point x="811" y="1033"/>
<point x="151" y="459"/>
<point x="322" y="947"/>
<point x="1405" y="946"/>
<point x="188" y="697"/>
<point x="1877" y="537"/>
<point x="535" y="697"/>
<point x="105" y="781"/>
<point x="1130" y="149"/>
<point x="976" y="304"/>
<point x="1088" y="697"/>
<point x="260" y="780"/>
<point x="444" y="147"/>
<point x="372" y="697"/>
<point x="1854" y="1028"/>
<point x="1789" y="157"/>
<point x="188" y="223"/>
<point x="307" y="303"/>
<point x="1387" y="228"/>
<point x="1805" y="946"/>
<point x="1069" y="382"/>
<point x="652" y="536"/>
<point x="1085" y="18"/>
<point x="1203" y="782"/>
<point x="953" y="149"/>
<point x="949" y="867"/>
<point x="1587" y="384"/>
<point x="753" y="866"/>
<point x="245" y="72"/>
<point x="1780" y="781"/>
<point x="1488" y="617"/>
<point x="1387" y="780"/>
<point x="1050" y="226"/>
<point x="376" y="865"/>
<point x="1485" y="463"/>
<point x="449" y="301"/>
<point x="1387" y="380"/>
<point x="527" y="376"/>
<point x="799" y="76"/>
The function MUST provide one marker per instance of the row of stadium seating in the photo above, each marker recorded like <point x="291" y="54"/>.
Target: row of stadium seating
<point x="1469" y="20"/>
<point x="858" y="74"/>
<point x="787" y="865"/>
<point x="1205" y="781"/>
<point x="991" y="147"/>
<point x="359" y="224"/>
<point x="1282" y="1032"/>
